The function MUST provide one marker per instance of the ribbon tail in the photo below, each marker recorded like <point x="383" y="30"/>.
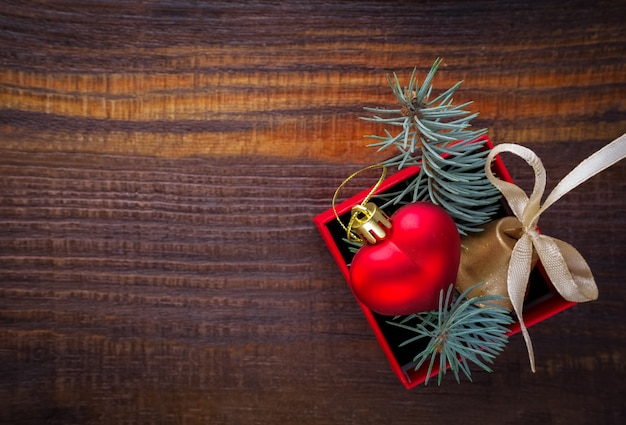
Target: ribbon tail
<point x="567" y="269"/>
<point x="599" y="161"/>
<point x="517" y="281"/>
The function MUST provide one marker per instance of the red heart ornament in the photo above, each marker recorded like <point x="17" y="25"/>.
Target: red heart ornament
<point x="414" y="255"/>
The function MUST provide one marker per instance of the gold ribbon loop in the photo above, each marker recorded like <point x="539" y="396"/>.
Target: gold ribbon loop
<point x="568" y="271"/>
<point x="359" y="208"/>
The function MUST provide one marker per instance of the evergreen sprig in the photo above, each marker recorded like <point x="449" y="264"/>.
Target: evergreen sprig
<point x="460" y="332"/>
<point x="435" y="134"/>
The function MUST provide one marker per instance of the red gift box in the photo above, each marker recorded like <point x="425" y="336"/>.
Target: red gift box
<point x="542" y="300"/>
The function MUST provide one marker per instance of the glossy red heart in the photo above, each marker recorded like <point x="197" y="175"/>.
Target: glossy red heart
<point x="405" y="272"/>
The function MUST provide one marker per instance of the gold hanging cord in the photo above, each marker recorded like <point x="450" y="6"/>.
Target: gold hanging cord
<point x="361" y="208"/>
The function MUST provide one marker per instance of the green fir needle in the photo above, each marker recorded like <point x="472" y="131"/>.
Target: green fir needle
<point x="460" y="332"/>
<point x="437" y="135"/>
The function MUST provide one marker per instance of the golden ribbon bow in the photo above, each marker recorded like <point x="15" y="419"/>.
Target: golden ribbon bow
<point x="567" y="269"/>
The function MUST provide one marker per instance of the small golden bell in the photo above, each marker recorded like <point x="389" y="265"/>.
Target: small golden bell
<point x="485" y="257"/>
<point x="370" y="223"/>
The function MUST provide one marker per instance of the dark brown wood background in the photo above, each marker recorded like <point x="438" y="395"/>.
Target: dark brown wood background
<point x="160" y="166"/>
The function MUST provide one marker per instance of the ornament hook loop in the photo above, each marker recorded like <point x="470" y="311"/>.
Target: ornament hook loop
<point x="363" y="208"/>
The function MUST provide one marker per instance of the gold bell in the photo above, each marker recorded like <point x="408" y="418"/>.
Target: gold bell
<point x="370" y="223"/>
<point x="485" y="257"/>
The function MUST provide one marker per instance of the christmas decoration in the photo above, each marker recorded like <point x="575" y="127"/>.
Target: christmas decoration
<point x="391" y="338"/>
<point x="485" y="258"/>
<point x="407" y="259"/>
<point x="458" y="333"/>
<point x="566" y="268"/>
<point x="396" y="270"/>
<point x="435" y="134"/>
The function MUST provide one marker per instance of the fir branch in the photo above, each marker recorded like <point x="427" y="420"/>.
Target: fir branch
<point x="437" y="136"/>
<point x="458" y="333"/>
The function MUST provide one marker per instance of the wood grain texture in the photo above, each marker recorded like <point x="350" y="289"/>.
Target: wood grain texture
<point x="160" y="166"/>
<point x="177" y="78"/>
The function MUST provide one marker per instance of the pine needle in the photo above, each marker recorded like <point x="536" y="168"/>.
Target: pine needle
<point x="458" y="333"/>
<point x="423" y="130"/>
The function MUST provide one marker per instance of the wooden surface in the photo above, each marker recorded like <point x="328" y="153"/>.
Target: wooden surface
<point x="160" y="166"/>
